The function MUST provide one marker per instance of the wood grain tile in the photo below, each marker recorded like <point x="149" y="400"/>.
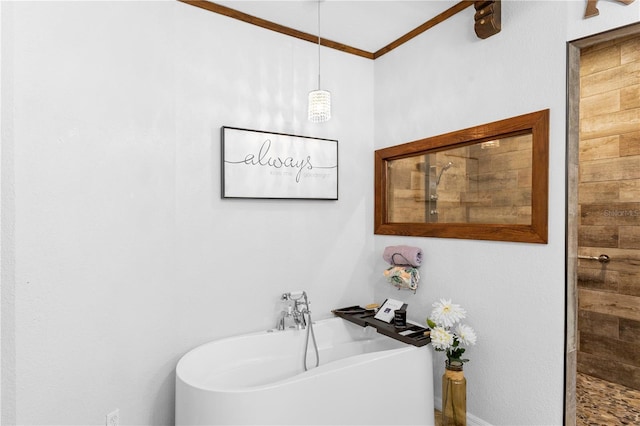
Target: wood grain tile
<point x="630" y="236"/>
<point x="610" y="214"/>
<point x="598" y="192"/>
<point x="599" y="59"/>
<point x="598" y="148"/>
<point x="629" y="190"/>
<point x="518" y="197"/>
<point x="598" y="236"/>
<point x="610" y="303"/>
<point x="520" y="159"/>
<point x="630" y="144"/>
<point x="500" y="215"/>
<point x="610" y="169"/>
<point x="525" y="177"/>
<point x="599" y="324"/>
<point x="602" y="103"/>
<point x="609" y="348"/>
<point x="597" y="278"/>
<point x="609" y="369"/>
<point x="610" y="79"/>
<point x="498" y="180"/>
<point x="629" y="330"/>
<point x="630" y="97"/>
<point x="615" y="123"/>
<point x="628" y="283"/>
<point x="630" y="50"/>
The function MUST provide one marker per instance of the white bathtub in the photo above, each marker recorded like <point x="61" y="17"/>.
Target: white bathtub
<point x="259" y="379"/>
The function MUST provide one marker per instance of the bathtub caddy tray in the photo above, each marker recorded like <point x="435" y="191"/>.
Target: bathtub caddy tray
<point x="411" y="334"/>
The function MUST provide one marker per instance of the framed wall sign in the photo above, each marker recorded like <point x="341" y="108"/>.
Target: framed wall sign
<point x="258" y="164"/>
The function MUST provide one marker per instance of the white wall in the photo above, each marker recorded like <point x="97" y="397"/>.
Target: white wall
<point x="125" y="255"/>
<point x="448" y="79"/>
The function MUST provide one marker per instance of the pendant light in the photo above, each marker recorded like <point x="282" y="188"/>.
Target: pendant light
<point x="319" y="100"/>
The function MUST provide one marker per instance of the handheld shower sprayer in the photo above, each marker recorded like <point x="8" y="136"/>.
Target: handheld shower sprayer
<point x="300" y="299"/>
<point x="444" y="169"/>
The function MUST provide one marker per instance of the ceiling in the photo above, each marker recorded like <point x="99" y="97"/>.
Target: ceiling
<point x="363" y="24"/>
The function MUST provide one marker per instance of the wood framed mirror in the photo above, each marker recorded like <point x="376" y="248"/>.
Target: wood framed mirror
<point x="488" y="182"/>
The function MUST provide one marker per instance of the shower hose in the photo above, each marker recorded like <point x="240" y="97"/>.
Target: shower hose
<point x="309" y="332"/>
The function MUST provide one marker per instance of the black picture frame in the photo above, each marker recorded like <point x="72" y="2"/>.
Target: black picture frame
<point x="263" y="164"/>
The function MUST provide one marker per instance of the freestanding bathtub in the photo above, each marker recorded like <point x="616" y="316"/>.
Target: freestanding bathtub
<point x="259" y="379"/>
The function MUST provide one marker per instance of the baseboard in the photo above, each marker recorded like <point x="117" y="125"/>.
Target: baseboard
<point x="471" y="419"/>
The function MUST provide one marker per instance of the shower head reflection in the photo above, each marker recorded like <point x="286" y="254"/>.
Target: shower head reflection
<point x="444" y="168"/>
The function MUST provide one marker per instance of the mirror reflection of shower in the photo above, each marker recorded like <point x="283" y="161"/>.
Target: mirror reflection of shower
<point x="434" y="180"/>
<point x="444" y="169"/>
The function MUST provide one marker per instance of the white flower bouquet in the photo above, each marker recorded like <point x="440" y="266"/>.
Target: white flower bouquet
<point x="447" y="333"/>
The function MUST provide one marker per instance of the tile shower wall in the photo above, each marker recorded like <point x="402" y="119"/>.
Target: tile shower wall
<point x="609" y="202"/>
<point x="483" y="184"/>
<point x="501" y="189"/>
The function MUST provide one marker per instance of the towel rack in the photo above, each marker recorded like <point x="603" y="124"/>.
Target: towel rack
<point x="406" y="261"/>
<point x="603" y="258"/>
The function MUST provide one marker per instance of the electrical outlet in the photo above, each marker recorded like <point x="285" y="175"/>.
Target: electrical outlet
<point x="113" y="418"/>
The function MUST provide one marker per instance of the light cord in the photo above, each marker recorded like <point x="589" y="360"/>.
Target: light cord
<point x="319" y="42"/>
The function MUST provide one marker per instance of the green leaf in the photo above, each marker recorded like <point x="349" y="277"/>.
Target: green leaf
<point x="430" y="323"/>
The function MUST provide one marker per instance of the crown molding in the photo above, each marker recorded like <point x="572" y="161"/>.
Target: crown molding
<point x="253" y="20"/>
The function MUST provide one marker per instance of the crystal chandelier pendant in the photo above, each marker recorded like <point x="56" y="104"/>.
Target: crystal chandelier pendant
<point x="319" y="100"/>
<point x="319" y="106"/>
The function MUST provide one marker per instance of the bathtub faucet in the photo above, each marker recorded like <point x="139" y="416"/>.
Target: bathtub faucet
<point x="297" y="307"/>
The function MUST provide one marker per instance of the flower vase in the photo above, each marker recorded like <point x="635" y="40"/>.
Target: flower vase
<point x="454" y="395"/>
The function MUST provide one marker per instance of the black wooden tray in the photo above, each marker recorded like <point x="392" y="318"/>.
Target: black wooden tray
<point x="412" y="334"/>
